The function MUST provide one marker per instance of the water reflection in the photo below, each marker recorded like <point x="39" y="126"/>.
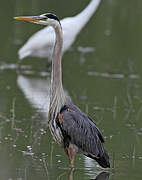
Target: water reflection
<point x="99" y="176"/>
<point x="114" y="67"/>
<point x="36" y="91"/>
<point x="103" y="176"/>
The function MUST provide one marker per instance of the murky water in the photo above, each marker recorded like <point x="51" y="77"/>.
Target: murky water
<point x="102" y="74"/>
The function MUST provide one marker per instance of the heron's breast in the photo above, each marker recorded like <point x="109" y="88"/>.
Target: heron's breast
<point x="56" y="132"/>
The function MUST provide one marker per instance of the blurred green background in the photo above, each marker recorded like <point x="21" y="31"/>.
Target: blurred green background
<point x="105" y="83"/>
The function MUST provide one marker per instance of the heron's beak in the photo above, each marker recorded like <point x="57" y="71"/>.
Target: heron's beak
<point x="28" y="18"/>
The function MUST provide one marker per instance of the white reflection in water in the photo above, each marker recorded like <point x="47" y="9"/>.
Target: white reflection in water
<point x="37" y="93"/>
<point x="113" y="75"/>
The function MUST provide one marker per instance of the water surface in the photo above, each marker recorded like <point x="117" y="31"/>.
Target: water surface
<point x="102" y="74"/>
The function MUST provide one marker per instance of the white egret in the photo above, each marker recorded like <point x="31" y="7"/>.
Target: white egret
<point x="41" y="45"/>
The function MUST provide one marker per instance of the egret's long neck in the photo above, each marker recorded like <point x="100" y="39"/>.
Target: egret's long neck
<point x="83" y="17"/>
<point x="57" y="98"/>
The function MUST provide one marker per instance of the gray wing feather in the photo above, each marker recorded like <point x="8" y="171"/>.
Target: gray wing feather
<point x="82" y="131"/>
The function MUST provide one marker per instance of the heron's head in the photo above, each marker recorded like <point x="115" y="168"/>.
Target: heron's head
<point x="47" y="19"/>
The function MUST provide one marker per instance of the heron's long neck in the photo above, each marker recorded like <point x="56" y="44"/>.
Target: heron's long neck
<point x="56" y="77"/>
<point x="57" y="98"/>
<point x="86" y="14"/>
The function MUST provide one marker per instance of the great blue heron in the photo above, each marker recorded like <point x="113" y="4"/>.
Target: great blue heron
<point x="75" y="131"/>
<point x="40" y="45"/>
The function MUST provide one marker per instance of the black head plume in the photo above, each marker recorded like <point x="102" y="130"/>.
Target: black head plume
<point x="52" y="16"/>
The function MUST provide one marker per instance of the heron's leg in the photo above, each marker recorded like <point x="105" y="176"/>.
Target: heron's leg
<point x="70" y="174"/>
<point x="71" y="155"/>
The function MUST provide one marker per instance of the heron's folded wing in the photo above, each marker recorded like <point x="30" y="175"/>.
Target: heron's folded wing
<point x="82" y="131"/>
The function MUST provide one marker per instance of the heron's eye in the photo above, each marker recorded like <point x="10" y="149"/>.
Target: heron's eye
<point x="44" y="18"/>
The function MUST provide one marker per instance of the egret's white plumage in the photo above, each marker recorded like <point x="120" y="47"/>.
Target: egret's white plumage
<point x="41" y="45"/>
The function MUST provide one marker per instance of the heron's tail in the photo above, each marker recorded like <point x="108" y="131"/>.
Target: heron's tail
<point x="103" y="161"/>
